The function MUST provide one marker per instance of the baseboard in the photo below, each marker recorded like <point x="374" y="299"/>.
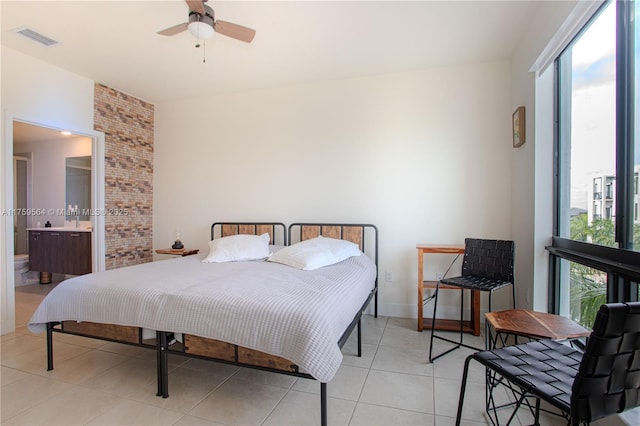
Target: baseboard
<point x="400" y="310"/>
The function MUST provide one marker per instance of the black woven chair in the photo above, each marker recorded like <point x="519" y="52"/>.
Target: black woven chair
<point x="602" y="381"/>
<point x="487" y="266"/>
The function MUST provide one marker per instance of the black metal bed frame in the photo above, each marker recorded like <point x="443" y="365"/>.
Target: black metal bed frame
<point x="163" y="349"/>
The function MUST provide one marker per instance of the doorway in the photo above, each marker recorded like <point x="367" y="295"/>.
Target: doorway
<point x="96" y="141"/>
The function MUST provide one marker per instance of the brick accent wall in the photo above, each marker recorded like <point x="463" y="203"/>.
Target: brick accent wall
<point x="127" y="123"/>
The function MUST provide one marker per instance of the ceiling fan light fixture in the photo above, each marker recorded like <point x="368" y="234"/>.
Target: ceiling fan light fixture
<point x="201" y="30"/>
<point x="202" y="24"/>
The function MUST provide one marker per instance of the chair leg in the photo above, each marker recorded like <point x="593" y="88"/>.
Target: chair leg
<point x="487" y="337"/>
<point x="491" y="380"/>
<point x="537" y="416"/>
<point x="458" y="343"/>
<point x="461" y="317"/>
<point x="486" y="323"/>
<point x="433" y="321"/>
<point x="489" y="342"/>
<point x="490" y="300"/>
<point x="463" y="388"/>
<point x="513" y="295"/>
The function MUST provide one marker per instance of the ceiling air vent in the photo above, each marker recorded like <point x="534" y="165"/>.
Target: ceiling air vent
<point x="35" y="36"/>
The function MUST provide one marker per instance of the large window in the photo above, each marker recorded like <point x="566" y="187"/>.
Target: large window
<point x="597" y="236"/>
<point x="587" y="80"/>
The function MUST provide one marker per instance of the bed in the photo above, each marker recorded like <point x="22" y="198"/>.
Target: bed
<point x="257" y="313"/>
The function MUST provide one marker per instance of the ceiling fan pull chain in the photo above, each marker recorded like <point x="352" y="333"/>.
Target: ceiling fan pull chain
<point x="204" y="51"/>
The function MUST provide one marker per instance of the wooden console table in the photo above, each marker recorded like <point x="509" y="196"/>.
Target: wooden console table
<point x="471" y="326"/>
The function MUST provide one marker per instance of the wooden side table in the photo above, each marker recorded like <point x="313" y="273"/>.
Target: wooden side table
<point x="471" y="326"/>
<point x="531" y="325"/>
<point x="178" y="252"/>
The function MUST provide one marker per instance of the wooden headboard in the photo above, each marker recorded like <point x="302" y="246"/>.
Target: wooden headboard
<point x="276" y="230"/>
<point x="342" y="231"/>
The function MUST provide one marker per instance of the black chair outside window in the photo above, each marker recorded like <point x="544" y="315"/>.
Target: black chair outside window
<point x="586" y="386"/>
<point x="487" y="266"/>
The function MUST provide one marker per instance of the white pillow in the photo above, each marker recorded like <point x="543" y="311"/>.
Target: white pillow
<point x="315" y="253"/>
<point x="238" y="247"/>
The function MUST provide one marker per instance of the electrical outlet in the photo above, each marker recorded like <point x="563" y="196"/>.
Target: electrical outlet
<point x="388" y="276"/>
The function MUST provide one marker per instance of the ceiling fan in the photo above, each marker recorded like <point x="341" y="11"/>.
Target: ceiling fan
<point x="202" y="24"/>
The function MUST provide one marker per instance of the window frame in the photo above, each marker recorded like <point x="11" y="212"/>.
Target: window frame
<point x="621" y="264"/>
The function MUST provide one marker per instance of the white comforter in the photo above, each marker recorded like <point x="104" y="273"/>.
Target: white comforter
<point x="273" y="308"/>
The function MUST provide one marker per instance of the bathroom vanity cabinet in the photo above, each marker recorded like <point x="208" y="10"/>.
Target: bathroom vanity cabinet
<point x="64" y="251"/>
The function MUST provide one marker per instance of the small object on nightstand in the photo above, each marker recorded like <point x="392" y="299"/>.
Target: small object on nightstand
<point x="178" y="244"/>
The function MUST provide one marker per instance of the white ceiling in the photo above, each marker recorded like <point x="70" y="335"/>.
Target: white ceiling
<point x="115" y="42"/>
<point x="29" y="133"/>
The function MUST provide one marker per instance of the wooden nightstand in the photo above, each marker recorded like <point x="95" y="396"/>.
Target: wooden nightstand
<point x="178" y="252"/>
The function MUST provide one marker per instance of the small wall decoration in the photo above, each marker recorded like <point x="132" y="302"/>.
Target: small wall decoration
<point x="518" y="127"/>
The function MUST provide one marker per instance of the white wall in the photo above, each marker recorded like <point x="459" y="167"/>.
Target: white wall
<point x="39" y="93"/>
<point x="424" y="155"/>
<point x="532" y="164"/>
<point x="43" y="93"/>
<point x="49" y="173"/>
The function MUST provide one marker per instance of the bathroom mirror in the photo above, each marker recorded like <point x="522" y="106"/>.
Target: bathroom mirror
<point x="78" y="187"/>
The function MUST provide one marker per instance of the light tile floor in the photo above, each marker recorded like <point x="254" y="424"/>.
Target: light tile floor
<point x="101" y="383"/>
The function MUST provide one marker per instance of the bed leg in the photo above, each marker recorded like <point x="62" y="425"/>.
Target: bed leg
<point x="49" y="346"/>
<point x="375" y="304"/>
<point x="162" y="364"/>
<point x="323" y="404"/>
<point x="359" y="337"/>
<point x="158" y="365"/>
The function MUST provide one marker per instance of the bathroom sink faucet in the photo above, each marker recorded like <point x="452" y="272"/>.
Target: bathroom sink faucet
<point x="73" y="210"/>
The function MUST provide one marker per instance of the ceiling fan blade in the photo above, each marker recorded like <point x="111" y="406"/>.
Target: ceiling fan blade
<point x="196" y="6"/>
<point x="174" y="30"/>
<point x="235" y="31"/>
